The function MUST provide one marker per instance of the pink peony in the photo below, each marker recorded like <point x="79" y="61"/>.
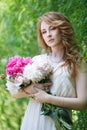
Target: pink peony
<point x="16" y="65"/>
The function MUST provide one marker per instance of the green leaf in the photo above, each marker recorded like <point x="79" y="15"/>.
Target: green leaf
<point x="60" y="116"/>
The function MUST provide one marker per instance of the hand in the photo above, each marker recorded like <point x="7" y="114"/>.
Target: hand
<point x="30" y="89"/>
<point x="41" y="96"/>
<point x="43" y="86"/>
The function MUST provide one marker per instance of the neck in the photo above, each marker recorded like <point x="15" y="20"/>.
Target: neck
<point x="57" y="52"/>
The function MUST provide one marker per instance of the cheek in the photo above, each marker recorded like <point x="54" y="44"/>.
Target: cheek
<point x="57" y="34"/>
<point x="44" y="37"/>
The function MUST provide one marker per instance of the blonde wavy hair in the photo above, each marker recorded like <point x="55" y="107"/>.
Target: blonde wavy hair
<point x="71" y="55"/>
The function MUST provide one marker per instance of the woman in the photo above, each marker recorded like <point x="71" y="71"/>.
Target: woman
<point x="69" y="79"/>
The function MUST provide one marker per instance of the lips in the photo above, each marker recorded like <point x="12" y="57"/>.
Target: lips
<point x="51" y="40"/>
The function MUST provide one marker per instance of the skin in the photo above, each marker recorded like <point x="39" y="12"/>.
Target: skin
<point x="51" y="35"/>
<point x="52" y="38"/>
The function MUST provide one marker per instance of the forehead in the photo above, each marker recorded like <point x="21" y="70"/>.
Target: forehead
<point x="44" y="25"/>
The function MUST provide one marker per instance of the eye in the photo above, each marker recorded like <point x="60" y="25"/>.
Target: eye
<point x="52" y="28"/>
<point x="43" y="32"/>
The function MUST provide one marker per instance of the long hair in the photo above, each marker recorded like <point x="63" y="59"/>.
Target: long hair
<point x="69" y="43"/>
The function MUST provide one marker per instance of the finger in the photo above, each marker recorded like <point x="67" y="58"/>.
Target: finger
<point x="37" y="89"/>
<point x="47" y="84"/>
<point x="32" y="95"/>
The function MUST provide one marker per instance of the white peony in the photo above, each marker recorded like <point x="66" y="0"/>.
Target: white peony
<point x="13" y="84"/>
<point x="37" y="71"/>
<point x="12" y="87"/>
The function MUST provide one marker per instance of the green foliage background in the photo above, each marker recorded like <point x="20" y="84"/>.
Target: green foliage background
<point x="18" y="36"/>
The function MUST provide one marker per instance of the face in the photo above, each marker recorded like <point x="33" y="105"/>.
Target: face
<point x="51" y="35"/>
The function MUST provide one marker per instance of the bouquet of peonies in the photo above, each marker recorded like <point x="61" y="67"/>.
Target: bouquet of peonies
<point x="23" y="71"/>
<point x="14" y="71"/>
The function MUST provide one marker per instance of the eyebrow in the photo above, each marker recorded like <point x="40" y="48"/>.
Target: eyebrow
<point x="45" y="29"/>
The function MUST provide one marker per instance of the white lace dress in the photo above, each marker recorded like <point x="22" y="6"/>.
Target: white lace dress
<point x="62" y="86"/>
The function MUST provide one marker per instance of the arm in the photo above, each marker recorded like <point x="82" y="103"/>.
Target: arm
<point x="78" y="103"/>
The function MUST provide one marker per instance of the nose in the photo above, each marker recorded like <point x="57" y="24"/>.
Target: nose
<point x="48" y="33"/>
